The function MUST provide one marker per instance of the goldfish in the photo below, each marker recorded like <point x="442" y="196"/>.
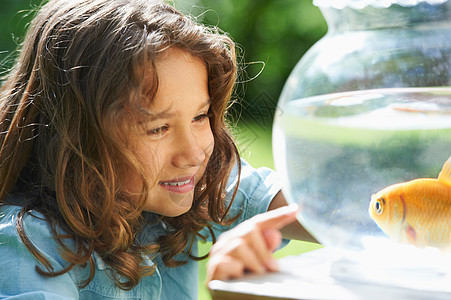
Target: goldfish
<point x="416" y="212"/>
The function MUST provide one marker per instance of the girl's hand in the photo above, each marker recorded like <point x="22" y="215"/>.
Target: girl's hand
<point x="249" y="246"/>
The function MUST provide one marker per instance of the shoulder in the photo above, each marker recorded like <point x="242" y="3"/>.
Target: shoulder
<point x="33" y="223"/>
<point x="256" y="189"/>
<point x="35" y="227"/>
<point x="18" y="273"/>
<point x="9" y="217"/>
<point x="250" y="176"/>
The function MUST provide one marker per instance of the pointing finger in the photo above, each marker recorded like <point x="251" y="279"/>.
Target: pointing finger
<point x="277" y="218"/>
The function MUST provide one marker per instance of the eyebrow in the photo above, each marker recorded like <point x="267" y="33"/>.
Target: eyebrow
<point x="207" y="102"/>
<point x="160" y="115"/>
<point x="165" y="114"/>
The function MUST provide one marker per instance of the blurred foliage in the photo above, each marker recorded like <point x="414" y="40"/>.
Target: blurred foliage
<point x="272" y="36"/>
<point x="15" y="15"/>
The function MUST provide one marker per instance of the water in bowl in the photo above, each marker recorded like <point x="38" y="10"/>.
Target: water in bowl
<point x="334" y="151"/>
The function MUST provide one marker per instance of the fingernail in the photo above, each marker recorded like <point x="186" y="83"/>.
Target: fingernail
<point x="273" y="265"/>
<point x="293" y="207"/>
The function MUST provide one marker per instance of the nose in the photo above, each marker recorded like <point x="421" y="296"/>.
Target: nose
<point x="190" y="151"/>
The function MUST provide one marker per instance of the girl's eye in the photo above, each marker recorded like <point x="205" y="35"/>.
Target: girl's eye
<point x="157" y="131"/>
<point x="201" y="118"/>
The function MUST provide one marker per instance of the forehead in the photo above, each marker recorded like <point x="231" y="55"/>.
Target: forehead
<point x="182" y="78"/>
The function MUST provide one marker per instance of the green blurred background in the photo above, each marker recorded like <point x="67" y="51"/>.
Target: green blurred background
<point x="271" y="35"/>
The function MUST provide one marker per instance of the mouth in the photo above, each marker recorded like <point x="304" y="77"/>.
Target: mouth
<point x="180" y="185"/>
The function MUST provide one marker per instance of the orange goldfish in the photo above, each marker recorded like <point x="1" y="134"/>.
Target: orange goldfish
<point x="417" y="212"/>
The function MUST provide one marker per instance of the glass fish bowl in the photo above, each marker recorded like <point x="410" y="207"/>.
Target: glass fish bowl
<point x="335" y="151"/>
<point x="368" y="107"/>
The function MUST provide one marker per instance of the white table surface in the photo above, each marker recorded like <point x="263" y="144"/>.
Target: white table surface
<point x="318" y="275"/>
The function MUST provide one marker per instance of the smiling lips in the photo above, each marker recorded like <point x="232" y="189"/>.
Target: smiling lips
<point x="181" y="186"/>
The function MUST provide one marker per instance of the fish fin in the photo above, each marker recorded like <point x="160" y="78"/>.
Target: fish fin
<point x="445" y="174"/>
<point x="411" y="234"/>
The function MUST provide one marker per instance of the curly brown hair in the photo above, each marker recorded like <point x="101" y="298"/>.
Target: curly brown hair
<point x="64" y="116"/>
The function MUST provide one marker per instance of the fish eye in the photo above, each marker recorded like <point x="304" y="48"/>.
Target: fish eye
<point x="379" y="206"/>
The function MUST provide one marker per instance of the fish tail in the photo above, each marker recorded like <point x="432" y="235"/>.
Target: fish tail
<point x="445" y="174"/>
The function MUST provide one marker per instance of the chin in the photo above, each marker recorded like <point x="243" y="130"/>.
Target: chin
<point x="176" y="212"/>
<point x="170" y="210"/>
<point x="169" y="205"/>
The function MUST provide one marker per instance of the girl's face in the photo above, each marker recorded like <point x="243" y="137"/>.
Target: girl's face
<point x="176" y="141"/>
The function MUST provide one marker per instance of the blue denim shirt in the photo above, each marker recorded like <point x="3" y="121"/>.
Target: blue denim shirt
<point x="19" y="280"/>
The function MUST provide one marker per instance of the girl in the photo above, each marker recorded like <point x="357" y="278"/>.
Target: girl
<point x="115" y="158"/>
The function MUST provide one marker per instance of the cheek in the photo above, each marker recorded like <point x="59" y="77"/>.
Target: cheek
<point x="208" y="142"/>
<point x="149" y="162"/>
<point x="152" y="161"/>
